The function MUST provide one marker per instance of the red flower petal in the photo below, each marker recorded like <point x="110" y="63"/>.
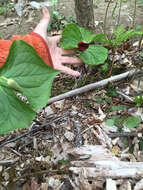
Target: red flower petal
<point x="83" y="46"/>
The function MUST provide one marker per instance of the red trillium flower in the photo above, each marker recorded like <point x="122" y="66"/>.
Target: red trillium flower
<point x="83" y="46"/>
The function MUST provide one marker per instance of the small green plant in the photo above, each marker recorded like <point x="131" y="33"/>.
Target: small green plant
<point x="128" y="121"/>
<point x="59" y="21"/>
<point x="115" y="108"/>
<point x="119" y="36"/>
<point x="1" y="10"/>
<point x="83" y="41"/>
<point x="24" y="72"/>
<point x="5" y="7"/>
<point x="138" y="100"/>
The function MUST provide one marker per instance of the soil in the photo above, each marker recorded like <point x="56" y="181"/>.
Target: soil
<point x="31" y="17"/>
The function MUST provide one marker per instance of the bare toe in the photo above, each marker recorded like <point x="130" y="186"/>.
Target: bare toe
<point x="45" y="13"/>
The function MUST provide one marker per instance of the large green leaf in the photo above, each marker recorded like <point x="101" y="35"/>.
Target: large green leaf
<point x="86" y="35"/>
<point x="94" y="55"/>
<point x="24" y="72"/>
<point x="28" y="70"/>
<point x="13" y="112"/>
<point x="71" y="36"/>
<point x="100" y="38"/>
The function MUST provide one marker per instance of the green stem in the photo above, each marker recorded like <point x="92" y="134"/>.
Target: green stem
<point x="134" y="15"/>
<point x="120" y="6"/>
<point x="105" y="18"/>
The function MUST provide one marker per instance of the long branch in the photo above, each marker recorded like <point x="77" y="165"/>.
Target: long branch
<point x="93" y="86"/>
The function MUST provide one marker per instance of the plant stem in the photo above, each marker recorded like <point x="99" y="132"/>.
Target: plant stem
<point x="113" y="58"/>
<point x="140" y="41"/>
<point x="114" y="9"/>
<point x="105" y="18"/>
<point x="120" y="6"/>
<point x="134" y="15"/>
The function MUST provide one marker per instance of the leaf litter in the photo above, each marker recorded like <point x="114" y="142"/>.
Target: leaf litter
<point x="70" y="145"/>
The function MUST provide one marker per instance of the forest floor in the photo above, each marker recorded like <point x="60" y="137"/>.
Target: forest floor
<point x="65" y="143"/>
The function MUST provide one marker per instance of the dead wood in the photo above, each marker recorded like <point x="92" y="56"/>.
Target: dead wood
<point x="102" y="163"/>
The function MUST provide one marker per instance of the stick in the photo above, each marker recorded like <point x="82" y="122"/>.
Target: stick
<point x="93" y="86"/>
<point x="32" y="131"/>
<point x="5" y="162"/>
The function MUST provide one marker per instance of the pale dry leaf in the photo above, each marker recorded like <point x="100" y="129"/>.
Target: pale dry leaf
<point x="54" y="183"/>
<point x="26" y="186"/>
<point x="139" y="185"/>
<point x="44" y="186"/>
<point x="137" y="84"/>
<point x="102" y="137"/>
<point x="34" y="184"/>
<point x="126" y="185"/>
<point x="59" y="104"/>
<point x="69" y="135"/>
<point x="48" y="110"/>
<point x="111" y="184"/>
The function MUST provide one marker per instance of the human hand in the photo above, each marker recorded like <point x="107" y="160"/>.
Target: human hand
<point x="60" y="56"/>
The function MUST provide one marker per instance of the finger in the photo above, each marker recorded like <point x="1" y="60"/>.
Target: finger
<point x="71" y="60"/>
<point x="68" y="71"/>
<point x="57" y="38"/>
<point x="67" y="52"/>
<point x="45" y="13"/>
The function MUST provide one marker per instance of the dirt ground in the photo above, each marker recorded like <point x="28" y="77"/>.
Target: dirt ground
<point x="28" y="21"/>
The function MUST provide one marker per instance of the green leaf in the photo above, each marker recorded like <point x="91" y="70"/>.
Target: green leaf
<point x="125" y="142"/>
<point x="71" y="36"/>
<point x="23" y="71"/>
<point x="111" y="121"/>
<point x="138" y="100"/>
<point x="120" y="121"/>
<point x="65" y="162"/>
<point x="105" y="67"/>
<point x="141" y="54"/>
<point x="28" y="70"/>
<point x="141" y="145"/>
<point x="100" y="38"/>
<point x="132" y="122"/>
<point x="115" y="108"/>
<point x="94" y="55"/>
<point x="86" y="35"/>
<point x="138" y="27"/>
<point x="111" y="92"/>
<point x="14" y="113"/>
<point x="99" y="100"/>
<point x="120" y="35"/>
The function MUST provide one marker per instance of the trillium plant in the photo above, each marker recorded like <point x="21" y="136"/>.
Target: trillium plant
<point x="84" y="42"/>
<point x="24" y="72"/>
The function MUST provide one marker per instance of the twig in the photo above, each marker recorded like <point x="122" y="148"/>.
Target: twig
<point x="93" y="86"/>
<point x="123" y="134"/>
<point x="5" y="162"/>
<point x="129" y="99"/>
<point x="32" y="131"/>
